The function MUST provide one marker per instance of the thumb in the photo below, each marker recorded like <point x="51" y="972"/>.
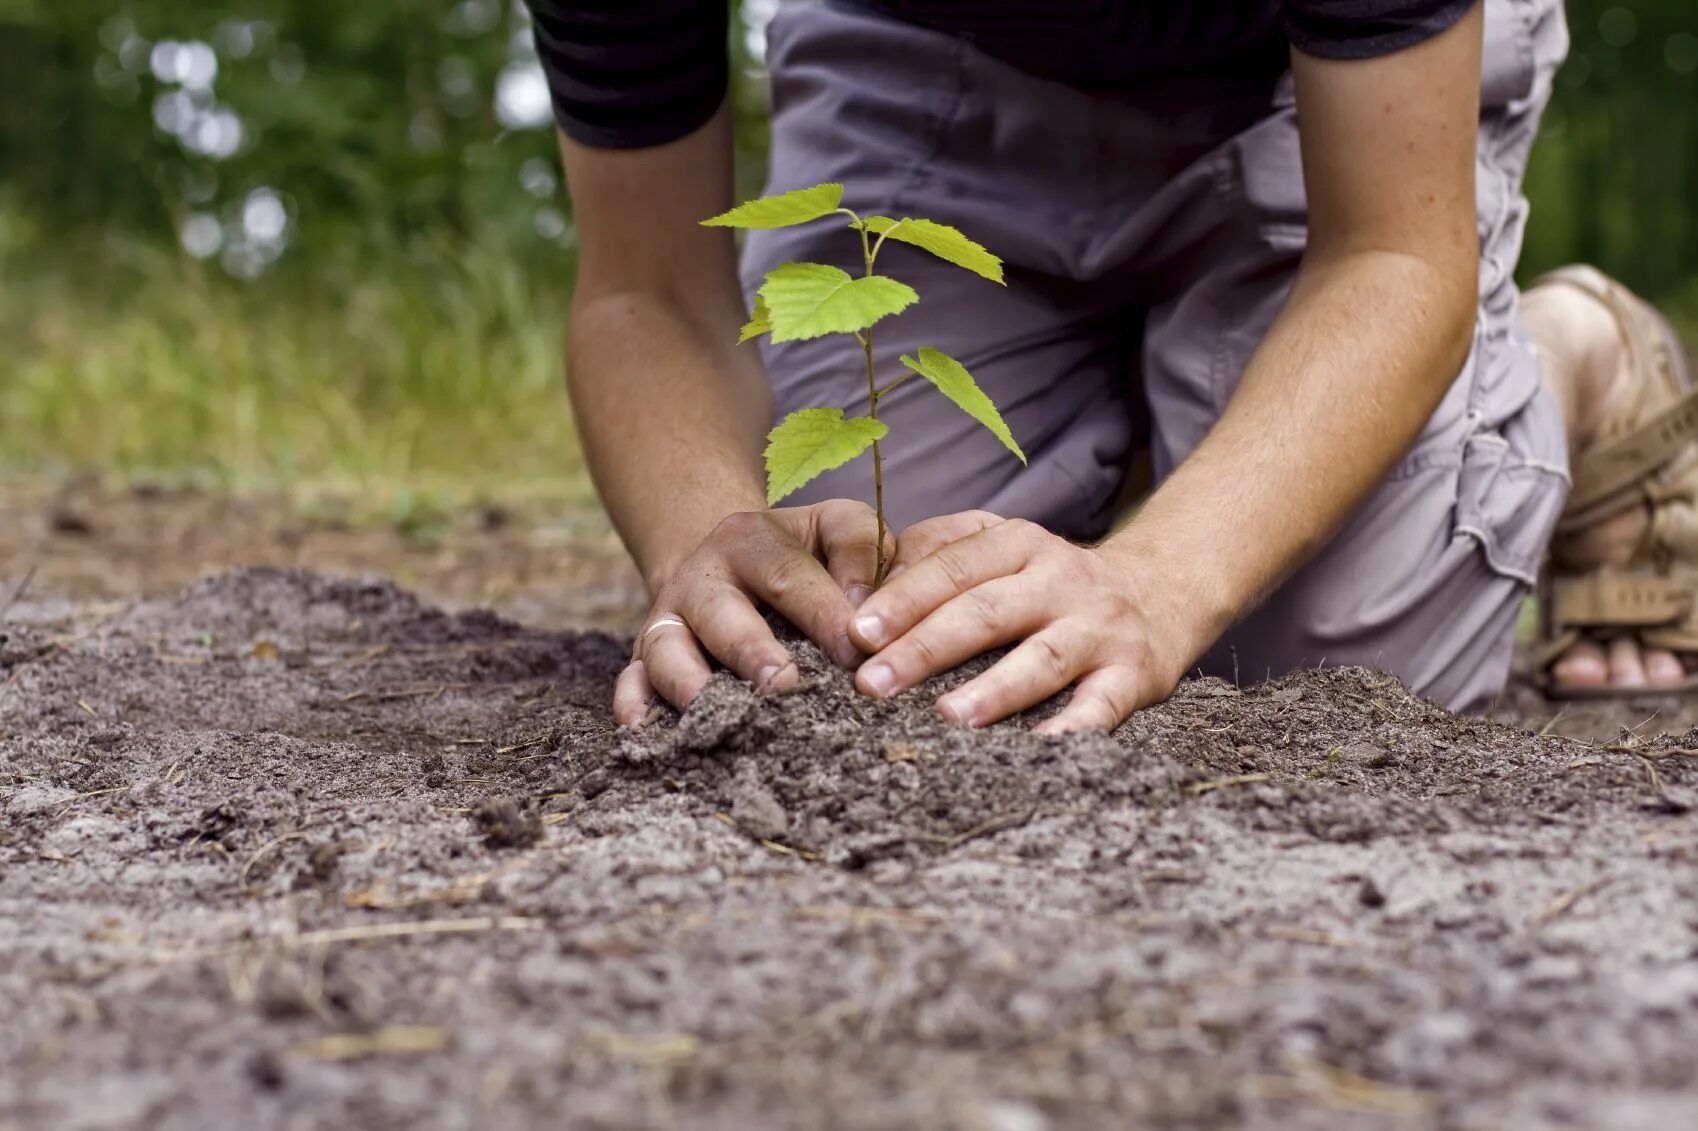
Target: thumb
<point x="848" y="544"/>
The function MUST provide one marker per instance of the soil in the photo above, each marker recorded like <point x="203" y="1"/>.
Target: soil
<point x="286" y="850"/>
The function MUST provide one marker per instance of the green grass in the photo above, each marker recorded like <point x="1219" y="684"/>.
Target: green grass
<point x="430" y="372"/>
<point x="433" y="371"/>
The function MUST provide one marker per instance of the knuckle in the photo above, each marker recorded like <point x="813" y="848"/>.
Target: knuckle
<point x="1025" y="530"/>
<point x="986" y="604"/>
<point x="1053" y="660"/>
<point x="785" y="576"/>
<point x="955" y="569"/>
<point x="923" y="652"/>
<point x="738" y="527"/>
<point x="846" y="509"/>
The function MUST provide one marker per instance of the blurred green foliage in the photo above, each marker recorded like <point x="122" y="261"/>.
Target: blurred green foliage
<point x="372" y="121"/>
<point x="298" y="239"/>
<point x="1614" y="177"/>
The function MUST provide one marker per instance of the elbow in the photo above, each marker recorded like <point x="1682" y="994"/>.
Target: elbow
<point x="1432" y="294"/>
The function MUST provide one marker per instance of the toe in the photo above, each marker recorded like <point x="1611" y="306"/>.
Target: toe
<point x="1627" y="666"/>
<point x="1583" y="665"/>
<point x="1663" y="668"/>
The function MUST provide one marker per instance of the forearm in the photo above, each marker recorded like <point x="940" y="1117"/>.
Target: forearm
<point x="672" y="412"/>
<point x="1340" y="388"/>
<point x="672" y="423"/>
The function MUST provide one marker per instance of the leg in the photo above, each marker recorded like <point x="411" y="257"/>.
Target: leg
<point x="1614" y="366"/>
<point x="1588" y="369"/>
<point x="1427" y="579"/>
<point x="866" y="101"/>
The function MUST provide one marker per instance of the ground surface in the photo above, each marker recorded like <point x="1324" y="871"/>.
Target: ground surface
<point x="282" y="850"/>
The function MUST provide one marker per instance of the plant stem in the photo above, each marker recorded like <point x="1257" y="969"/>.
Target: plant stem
<point x="880" y="565"/>
<point x="886" y="390"/>
<point x="878" y="466"/>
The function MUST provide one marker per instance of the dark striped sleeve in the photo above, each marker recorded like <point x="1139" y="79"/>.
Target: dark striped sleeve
<point x="631" y="73"/>
<point x="1364" y="29"/>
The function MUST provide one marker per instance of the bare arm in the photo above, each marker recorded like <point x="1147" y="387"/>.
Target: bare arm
<point x="673" y="415"/>
<point x="1377" y="326"/>
<point x="672" y="412"/>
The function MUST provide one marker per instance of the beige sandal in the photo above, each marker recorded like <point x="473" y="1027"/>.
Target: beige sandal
<point x="1645" y="455"/>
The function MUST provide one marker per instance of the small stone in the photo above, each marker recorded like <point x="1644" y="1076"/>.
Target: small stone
<point x="1368" y="893"/>
<point x="1367" y="755"/>
<point x="505" y="825"/>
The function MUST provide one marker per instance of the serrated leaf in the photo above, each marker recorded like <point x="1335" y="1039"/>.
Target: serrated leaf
<point x="806" y="300"/>
<point x="781" y="211"/>
<point x="760" y="322"/>
<point x="941" y="240"/>
<point x="954" y="382"/>
<point x="812" y="441"/>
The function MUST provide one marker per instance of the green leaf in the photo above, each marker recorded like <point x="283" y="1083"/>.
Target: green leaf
<point x="760" y="322"/>
<point x="783" y="210"/>
<point x="954" y="382"/>
<point x="811" y="441"/>
<point x="806" y="300"/>
<point x="942" y="241"/>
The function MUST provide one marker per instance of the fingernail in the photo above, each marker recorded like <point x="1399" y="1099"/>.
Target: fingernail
<point x="764" y="677"/>
<point x="957" y="709"/>
<point x="857" y="594"/>
<point x="880" y="680"/>
<point x="845" y="652"/>
<point x="871" y="629"/>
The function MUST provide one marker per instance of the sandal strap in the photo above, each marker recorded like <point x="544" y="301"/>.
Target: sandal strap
<point x="1605" y="479"/>
<point x="1614" y="599"/>
<point x="1621" y="464"/>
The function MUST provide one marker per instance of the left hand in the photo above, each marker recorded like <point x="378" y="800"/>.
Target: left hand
<point x="962" y="584"/>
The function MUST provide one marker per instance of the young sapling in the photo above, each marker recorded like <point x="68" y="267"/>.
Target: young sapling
<point x="810" y="300"/>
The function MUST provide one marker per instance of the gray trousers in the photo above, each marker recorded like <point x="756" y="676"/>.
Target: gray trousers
<point x="1151" y="237"/>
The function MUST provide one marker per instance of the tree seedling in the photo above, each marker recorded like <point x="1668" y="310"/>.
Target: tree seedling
<point x="809" y="300"/>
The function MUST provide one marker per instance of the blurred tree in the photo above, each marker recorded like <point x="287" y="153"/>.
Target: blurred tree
<point x="368" y="125"/>
<point x="1614" y="178"/>
<point x="363" y="123"/>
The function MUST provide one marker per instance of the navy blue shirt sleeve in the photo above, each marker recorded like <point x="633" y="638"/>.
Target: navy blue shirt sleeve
<point x="626" y="74"/>
<point x="1365" y="29"/>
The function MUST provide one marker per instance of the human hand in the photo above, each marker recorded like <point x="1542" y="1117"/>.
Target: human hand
<point x="965" y="583"/>
<point x="811" y="564"/>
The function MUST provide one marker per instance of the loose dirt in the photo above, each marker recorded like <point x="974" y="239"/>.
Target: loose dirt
<point x="285" y="851"/>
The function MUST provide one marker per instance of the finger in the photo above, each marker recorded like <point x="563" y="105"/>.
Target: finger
<point x="1663" y="668"/>
<point x="734" y="632"/>
<point x="1626" y="670"/>
<point x="983" y="617"/>
<point x="1101" y="702"/>
<point x="929" y="535"/>
<point x="633" y="695"/>
<point x="1037" y="669"/>
<point x="674" y="664"/>
<point x="947" y="573"/>
<point x="847" y="536"/>
<point x="798" y="587"/>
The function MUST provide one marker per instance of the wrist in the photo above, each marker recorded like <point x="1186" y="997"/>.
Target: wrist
<point x="672" y="544"/>
<point x="1191" y="602"/>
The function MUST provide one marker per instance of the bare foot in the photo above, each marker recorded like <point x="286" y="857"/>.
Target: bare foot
<point x="1587" y="367"/>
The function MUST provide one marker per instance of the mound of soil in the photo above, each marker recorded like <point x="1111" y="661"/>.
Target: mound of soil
<point x="289" y="851"/>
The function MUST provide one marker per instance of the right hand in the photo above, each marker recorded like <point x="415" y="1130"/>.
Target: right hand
<point x="813" y="565"/>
